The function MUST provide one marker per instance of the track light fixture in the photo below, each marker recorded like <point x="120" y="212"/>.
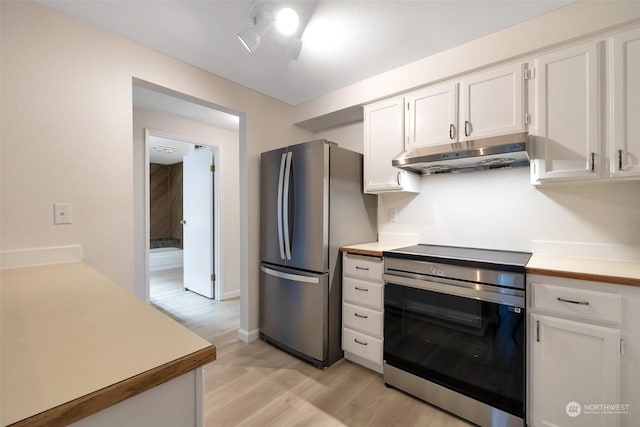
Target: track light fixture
<point x="265" y="16"/>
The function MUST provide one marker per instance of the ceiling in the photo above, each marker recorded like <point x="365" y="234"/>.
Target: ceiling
<point x="344" y="41"/>
<point x="167" y="151"/>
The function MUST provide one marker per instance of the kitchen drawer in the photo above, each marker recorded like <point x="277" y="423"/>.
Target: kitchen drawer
<point x="362" y="319"/>
<point x="361" y="267"/>
<point x="362" y="293"/>
<point x="580" y="303"/>
<point x="362" y="345"/>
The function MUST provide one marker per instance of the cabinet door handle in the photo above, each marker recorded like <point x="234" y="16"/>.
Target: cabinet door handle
<point x="619" y="160"/>
<point x="361" y="316"/>
<point x="398" y="178"/>
<point x="452" y="131"/>
<point x="467" y="128"/>
<point x="362" y="289"/>
<point x="360" y="342"/>
<point x="573" y="302"/>
<point x="593" y="162"/>
<point x="537" y="331"/>
<point x="362" y="268"/>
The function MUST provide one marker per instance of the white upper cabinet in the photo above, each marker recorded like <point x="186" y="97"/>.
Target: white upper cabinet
<point x="568" y="114"/>
<point x="383" y="140"/>
<point x="624" y="86"/>
<point x="483" y="104"/>
<point x="492" y="102"/>
<point x="432" y="116"/>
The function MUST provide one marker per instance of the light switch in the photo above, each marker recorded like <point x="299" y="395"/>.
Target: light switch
<point x="62" y="213"/>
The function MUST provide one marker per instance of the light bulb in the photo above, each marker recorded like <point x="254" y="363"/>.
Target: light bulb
<point x="287" y="21"/>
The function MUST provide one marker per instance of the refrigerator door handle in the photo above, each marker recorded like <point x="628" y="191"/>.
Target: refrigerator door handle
<point x="289" y="276"/>
<point x="280" y="182"/>
<point x="285" y="208"/>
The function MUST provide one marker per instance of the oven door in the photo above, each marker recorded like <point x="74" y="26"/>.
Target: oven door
<point x="464" y="337"/>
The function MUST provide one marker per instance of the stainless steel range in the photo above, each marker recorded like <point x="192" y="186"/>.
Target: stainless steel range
<point x="454" y="330"/>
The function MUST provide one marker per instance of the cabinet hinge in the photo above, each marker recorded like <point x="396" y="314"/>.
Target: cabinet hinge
<point x="621" y="346"/>
<point x="213" y="277"/>
<point x="213" y="168"/>
<point x="530" y="73"/>
<point x="527" y="119"/>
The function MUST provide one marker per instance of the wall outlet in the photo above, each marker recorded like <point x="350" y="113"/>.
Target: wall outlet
<point x="393" y="215"/>
<point x="62" y="213"/>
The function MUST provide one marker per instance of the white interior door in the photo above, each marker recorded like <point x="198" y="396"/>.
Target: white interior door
<point x="198" y="221"/>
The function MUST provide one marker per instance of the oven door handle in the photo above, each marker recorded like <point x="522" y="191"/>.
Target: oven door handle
<point x="461" y="291"/>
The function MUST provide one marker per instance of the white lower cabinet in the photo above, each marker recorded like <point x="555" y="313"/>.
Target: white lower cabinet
<point x="362" y="310"/>
<point x="583" y="352"/>
<point x="574" y="364"/>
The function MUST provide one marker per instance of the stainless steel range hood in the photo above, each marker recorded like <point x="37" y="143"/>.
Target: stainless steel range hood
<point x="480" y="154"/>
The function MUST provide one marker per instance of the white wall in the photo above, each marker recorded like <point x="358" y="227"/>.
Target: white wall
<point x="500" y="209"/>
<point x="348" y="136"/>
<point x="66" y="129"/>
<point x="228" y="180"/>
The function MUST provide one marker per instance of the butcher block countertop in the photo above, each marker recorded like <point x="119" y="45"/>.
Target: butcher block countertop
<point x="370" y="249"/>
<point x="74" y="343"/>
<point x="599" y="270"/>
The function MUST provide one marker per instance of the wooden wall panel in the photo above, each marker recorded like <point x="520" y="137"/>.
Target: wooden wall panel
<point x="159" y="199"/>
<point x="175" y="200"/>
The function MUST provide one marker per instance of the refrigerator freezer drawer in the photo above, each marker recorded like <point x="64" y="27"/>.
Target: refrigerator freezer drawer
<point x="293" y="309"/>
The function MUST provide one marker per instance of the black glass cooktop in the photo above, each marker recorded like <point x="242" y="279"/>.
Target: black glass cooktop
<point x="463" y="256"/>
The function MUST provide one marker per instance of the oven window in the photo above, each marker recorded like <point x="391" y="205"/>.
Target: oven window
<point x="473" y="347"/>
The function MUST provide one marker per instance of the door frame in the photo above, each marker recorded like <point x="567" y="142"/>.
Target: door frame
<point x="215" y="151"/>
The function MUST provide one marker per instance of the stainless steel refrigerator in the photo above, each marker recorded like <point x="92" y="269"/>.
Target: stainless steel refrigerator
<point x="312" y="203"/>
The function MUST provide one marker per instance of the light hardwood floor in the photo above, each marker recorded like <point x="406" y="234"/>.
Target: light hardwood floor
<point x="256" y="384"/>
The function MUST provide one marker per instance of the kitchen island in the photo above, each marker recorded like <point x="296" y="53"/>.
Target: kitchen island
<point x="77" y="348"/>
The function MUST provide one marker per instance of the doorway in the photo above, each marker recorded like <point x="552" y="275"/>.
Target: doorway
<point x="182" y="199"/>
<point x="178" y="115"/>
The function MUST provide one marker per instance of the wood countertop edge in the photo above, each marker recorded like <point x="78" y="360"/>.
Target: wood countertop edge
<point x="92" y="403"/>
<point x="617" y="280"/>
<point x="365" y="252"/>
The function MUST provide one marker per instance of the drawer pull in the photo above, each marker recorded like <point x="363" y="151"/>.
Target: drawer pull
<point x="362" y="289"/>
<point x="362" y="268"/>
<point x="361" y="316"/>
<point x="360" y="342"/>
<point x="573" y="302"/>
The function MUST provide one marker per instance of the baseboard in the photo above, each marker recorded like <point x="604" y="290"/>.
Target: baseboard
<point x="29" y="257"/>
<point x="245" y="336"/>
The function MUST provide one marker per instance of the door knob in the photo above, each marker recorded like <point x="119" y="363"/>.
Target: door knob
<point x="183" y="222"/>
